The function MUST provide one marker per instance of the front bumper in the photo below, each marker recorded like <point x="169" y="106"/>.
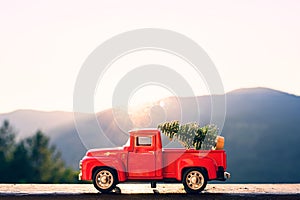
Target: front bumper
<point x="80" y="171"/>
<point x="79" y="176"/>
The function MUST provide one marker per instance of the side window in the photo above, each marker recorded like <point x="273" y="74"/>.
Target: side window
<point x="143" y="141"/>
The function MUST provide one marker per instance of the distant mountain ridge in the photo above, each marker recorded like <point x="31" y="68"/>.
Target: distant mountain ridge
<point x="261" y="131"/>
<point x="27" y="122"/>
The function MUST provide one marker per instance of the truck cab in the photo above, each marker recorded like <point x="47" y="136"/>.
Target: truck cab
<point x="144" y="146"/>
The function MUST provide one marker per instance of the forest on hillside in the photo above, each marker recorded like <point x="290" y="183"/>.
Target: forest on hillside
<point x="31" y="160"/>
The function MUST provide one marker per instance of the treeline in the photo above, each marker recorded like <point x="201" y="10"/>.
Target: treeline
<point x="31" y="160"/>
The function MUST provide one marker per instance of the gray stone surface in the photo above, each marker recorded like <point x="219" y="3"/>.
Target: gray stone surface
<point x="19" y="189"/>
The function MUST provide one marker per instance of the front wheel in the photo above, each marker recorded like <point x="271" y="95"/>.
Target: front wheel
<point x="194" y="180"/>
<point x="104" y="180"/>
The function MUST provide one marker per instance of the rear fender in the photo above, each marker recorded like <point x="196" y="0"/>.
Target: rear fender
<point x="195" y="162"/>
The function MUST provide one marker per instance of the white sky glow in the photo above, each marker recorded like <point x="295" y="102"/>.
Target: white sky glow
<point x="44" y="43"/>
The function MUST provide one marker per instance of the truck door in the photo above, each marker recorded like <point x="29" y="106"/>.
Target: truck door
<point x="141" y="161"/>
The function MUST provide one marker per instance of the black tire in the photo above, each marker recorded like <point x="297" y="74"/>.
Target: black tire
<point x="105" y="179"/>
<point x="194" y="180"/>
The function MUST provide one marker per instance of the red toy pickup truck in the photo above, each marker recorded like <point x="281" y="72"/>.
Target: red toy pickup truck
<point x="144" y="159"/>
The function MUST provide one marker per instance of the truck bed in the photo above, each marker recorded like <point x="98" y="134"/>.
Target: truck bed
<point x="171" y="157"/>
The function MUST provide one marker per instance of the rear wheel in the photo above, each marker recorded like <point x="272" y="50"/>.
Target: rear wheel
<point x="194" y="180"/>
<point x="104" y="179"/>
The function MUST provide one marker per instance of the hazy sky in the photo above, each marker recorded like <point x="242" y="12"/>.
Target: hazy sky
<point x="44" y="43"/>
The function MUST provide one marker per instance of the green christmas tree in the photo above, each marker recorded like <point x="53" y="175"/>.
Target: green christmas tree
<point x="191" y="135"/>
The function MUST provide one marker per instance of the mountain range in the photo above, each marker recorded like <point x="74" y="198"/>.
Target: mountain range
<point x="261" y="130"/>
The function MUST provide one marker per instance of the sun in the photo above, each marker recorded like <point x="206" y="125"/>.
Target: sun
<point x="148" y="94"/>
